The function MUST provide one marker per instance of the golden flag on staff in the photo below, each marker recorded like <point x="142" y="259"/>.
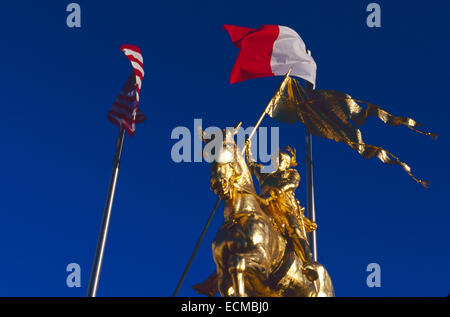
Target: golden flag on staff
<point x="326" y="113"/>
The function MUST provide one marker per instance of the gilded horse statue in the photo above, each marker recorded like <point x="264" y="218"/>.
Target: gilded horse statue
<point x="252" y="257"/>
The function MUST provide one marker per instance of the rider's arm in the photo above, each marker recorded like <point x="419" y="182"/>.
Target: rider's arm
<point x="254" y="167"/>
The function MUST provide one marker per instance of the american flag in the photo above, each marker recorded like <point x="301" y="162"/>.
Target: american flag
<point x="125" y="111"/>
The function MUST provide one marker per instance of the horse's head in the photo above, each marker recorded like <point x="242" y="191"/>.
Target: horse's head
<point x="229" y="170"/>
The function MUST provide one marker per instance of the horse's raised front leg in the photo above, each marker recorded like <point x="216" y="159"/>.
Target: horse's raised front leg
<point x="236" y="271"/>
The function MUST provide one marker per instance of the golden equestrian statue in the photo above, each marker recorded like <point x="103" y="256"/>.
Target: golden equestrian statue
<point x="261" y="250"/>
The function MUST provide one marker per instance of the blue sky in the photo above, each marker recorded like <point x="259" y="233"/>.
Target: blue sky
<point x="58" y="84"/>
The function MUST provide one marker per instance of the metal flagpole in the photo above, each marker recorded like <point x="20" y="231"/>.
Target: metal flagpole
<point x="311" y="209"/>
<point x="211" y="216"/>
<point x="99" y="252"/>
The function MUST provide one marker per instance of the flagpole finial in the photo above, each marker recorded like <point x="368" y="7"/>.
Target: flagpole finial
<point x="289" y="71"/>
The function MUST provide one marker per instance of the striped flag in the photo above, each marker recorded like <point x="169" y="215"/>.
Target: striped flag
<point x="125" y="111"/>
<point x="270" y="50"/>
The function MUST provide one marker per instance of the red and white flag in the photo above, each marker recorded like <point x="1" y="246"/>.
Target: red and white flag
<point x="270" y="50"/>
<point x="125" y="111"/>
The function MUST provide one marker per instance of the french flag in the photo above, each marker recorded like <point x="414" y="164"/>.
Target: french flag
<point x="270" y="50"/>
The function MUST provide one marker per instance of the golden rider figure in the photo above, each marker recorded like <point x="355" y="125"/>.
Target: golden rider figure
<point x="277" y="192"/>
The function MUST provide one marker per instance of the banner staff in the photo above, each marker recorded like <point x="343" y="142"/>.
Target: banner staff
<point x="268" y="107"/>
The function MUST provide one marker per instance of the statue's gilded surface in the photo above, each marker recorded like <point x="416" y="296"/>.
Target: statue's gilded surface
<point x="261" y="249"/>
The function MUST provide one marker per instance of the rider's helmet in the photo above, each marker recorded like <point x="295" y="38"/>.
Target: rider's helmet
<point x="286" y="158"/>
